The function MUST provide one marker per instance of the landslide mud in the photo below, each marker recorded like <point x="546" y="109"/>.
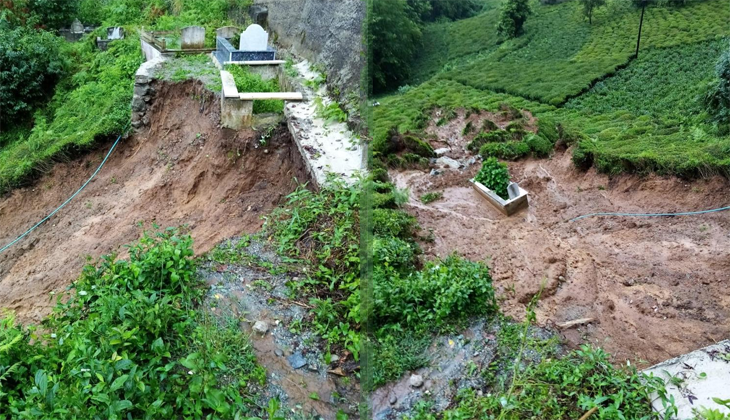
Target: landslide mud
<point x="656" y="287"/>
<point x="184" y="170"/>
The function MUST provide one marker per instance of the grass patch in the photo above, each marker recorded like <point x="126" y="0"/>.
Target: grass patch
<point x="246" y="81"/>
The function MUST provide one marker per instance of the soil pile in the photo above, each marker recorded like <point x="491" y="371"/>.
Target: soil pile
<point x="185" y="170"/>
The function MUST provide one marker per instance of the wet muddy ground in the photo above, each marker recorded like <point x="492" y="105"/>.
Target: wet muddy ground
<point x="184" y="170"/>
<point x="295" y="359"/>
<point x="655" y="287"/>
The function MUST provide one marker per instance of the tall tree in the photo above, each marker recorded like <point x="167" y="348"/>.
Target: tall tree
<point x="393" y="40"/>
<point x="513" y="17"/>
<point x="589" y="6"/>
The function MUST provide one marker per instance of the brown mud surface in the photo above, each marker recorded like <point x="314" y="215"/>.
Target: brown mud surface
<point x="656" y="287"/>
<point x="184" y="170"/>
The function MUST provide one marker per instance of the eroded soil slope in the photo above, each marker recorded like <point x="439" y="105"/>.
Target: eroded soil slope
<point x="184" y="170"/>
<point x="657" y="287"/>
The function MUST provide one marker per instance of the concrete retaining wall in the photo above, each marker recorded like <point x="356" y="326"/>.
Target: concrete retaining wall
<point x="150" y="52"/>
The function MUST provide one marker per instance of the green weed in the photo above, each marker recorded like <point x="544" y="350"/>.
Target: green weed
<point x="430" y="197"/>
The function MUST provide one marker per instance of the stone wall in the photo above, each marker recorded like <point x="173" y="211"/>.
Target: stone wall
<point x="323" y="31"/>
<point x="143" y="92"/>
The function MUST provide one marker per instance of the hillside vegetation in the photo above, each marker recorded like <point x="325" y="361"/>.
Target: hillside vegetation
<point x="623" y="114"/>
<point x="92" y="99"/>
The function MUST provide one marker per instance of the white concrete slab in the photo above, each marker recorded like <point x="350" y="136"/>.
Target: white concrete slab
<point x="229" y="85"/>
<point x="699" y="377"/>
<point x="258" y="63"/>
<point x="285" y="96"/>
<point x="326" y="147"/>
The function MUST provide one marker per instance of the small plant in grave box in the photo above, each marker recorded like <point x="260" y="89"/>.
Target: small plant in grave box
<point x="492" y="182"/>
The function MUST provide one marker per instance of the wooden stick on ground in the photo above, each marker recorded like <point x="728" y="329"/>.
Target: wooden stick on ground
<point x="588" y="413"/>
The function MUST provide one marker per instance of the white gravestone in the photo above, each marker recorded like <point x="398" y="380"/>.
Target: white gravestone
<point x="193" y="37"/>
<point x="254" y="38"/>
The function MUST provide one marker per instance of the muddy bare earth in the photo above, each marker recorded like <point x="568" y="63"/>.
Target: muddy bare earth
<point x="298" y="373"/>
<point x="184" y="170"/>
<point x="655" y="287"/>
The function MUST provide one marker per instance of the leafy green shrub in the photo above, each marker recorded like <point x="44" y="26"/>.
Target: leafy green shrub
<point x="30" y="67"/>
<point x="393" y="252"/>
<point x="495" y="176"/>
<point x="511" y="150"/>
<point x="246" y="81"/>
<point x="539" y="145"/>
<point x="125" y="343"/>
<point x="394" y="39"/>
<point x="444" y="291"/>
<point x="322" y="230"/>
<point x="93" y="103"/>
<point x="398" y="224"/>
<point x="717" y="98"/>
<point x="567" y="387"/>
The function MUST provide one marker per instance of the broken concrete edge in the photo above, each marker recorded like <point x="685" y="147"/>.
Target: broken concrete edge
<point x="507" y="207"/>
<point x="699" y="376"/>
<point x="229" y="89"/>
<point x="143" y="91"/>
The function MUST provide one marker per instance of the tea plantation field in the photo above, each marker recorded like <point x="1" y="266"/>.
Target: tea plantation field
<point x="560" y="52"/>
<point x="623" y="114"/>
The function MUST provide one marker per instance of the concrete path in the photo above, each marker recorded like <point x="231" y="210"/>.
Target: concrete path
<point x="695" y="378"/>
<point x="328" y="147"/>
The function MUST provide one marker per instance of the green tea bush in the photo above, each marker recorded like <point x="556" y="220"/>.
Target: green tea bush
<point x="497" y="136"/>
<point x="539" y="145"/>
<point x="30" y="66"/>
<point x="717" y="98"/>
<point x="246" y="81"/>
<point x="575" y="52"/>
<point x="495" y="176"/>
<point x="511" y="150"/>
<point x="547" y="128"/>
<point x="128" y="343"/>
<point x="442" y="293"/>
<point x="394" y="223"/>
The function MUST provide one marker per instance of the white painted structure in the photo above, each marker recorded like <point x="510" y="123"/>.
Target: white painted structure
<point x="699" y="377"/>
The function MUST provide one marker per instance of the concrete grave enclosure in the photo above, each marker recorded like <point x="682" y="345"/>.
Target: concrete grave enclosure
<point x="517" y="197"/>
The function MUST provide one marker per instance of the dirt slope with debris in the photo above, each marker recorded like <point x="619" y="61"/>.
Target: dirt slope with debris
<point x="656" y="287"/>
<point x="184" y="170"/>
